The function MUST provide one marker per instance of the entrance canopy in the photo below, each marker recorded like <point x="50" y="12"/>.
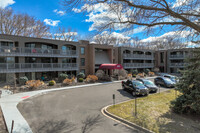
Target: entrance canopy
<point x="111" y="66"/>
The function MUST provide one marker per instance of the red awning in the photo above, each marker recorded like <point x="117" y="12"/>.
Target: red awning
<point x="111" y="66"/>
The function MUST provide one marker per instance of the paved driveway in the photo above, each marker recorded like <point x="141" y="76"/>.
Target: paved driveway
<point x="75" y="110"/>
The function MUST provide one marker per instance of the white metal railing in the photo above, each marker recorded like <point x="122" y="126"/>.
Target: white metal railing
<point x="17" y="51"/>
<point x="178" y="64"/>
<point x="132" y="56"/>
<point x="177" y="56"/>
<point x="36" y="67"/>
<point x="138" y="65"/>
<point x="181" y="56"/>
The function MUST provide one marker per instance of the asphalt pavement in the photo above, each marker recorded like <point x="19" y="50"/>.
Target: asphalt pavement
<point x="75" y="110"/>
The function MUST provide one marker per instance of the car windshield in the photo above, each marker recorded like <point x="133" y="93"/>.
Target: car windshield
<point x="147" y="82"/>
<point x="167" y="80"/>
<point x="173" y="78"/>
<point x="138" y="83"/>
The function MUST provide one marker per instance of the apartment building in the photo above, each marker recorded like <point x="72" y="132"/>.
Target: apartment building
<point x="93" y="55"/>
<point x="132" y="58"/>
<point x="36" y="57"/>
<point x="172" y="60"/>
<point x="176" y="59"/>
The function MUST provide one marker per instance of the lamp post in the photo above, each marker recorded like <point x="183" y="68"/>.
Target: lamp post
<point x="135" y="104"/>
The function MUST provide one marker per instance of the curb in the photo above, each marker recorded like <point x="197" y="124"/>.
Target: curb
<point x="123" y="121"/>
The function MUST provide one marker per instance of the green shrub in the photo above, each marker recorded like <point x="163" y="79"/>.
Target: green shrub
<point x="146" y="71"/>
<point x="62" y="77"/>
<point x="134" y="75"/>
<point x="81" y="75"/>
<point x="135" y="72"/>
<point x="22" y="80"/>
<point x="80" y="80"/>
<point x="52" y="83"/>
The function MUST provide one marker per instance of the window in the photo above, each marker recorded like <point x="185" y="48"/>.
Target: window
<point x="161" y="57"/>
<point x="30" y="45"/>
<point x="10" y="60"/>
<point x="82" y="61"/>
<point x="82" y="50"/>
<point x="82" y="71"/>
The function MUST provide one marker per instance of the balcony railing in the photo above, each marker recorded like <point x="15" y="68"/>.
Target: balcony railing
<point x="36" y="52"/>
<point x="137" y="56"/>
<point x="138" y="65"/>
<point x="178" y="64"/>
<point x="36" y="67"/>
<point x="181" y="56"/>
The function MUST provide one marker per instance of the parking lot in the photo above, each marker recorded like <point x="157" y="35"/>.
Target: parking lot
<point x="76" y="110"/>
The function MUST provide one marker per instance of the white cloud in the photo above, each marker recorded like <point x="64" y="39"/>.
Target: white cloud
<point x="100" y="14"/>
<point x="51" y="22"/>
<point x="179" y="3"/>
<point x="5" y="3"/>
<point x="61" y="13"/>
<point x="178" y="34"/>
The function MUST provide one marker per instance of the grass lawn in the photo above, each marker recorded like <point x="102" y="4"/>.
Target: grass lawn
<point x="153" y="112"/>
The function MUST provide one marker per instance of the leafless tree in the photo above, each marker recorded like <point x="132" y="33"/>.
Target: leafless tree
<point x="111" y="39"/>
<point x="21" y="24"/>
<point x="166" y="43"/>
<point x="129" y="14"/>
<point x="65" y="34"/>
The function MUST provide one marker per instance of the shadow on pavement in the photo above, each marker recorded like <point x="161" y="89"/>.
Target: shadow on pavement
<point x="52" y="126"/>
<point x="125" y="93"/>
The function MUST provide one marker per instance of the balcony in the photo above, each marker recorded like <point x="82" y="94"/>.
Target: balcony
<point x="36" y="52"/>
<point x="36" y="67"/>
<point x="138" y="56"/>
<point x="180" y="56"/>
<point x="138" y="65"/>
<point x="178" y="64"/>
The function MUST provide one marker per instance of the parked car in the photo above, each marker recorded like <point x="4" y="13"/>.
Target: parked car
<point x="135" y="87"/>
<point x="149" y="84"/>
<point x="164" y="82"/>
<point x="171" y="77"/>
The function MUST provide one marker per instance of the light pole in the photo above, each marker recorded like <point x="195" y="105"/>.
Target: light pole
<point x="135" y="104"/>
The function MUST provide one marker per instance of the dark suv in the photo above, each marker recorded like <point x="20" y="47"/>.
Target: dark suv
<point x="162" y="81"/>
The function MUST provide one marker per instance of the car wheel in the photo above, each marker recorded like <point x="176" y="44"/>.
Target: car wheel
<point x="133" y="93"/>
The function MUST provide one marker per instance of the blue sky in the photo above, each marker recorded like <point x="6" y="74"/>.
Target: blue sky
<point x="44" y="10"/>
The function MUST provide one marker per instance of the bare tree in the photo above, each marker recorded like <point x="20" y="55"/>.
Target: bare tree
<point x="129" y="14"/>
<point x="166" y="43"/>
<point x="113" y="38"/>
<point x="21" y="24"/>
<point x="65" y="34"/>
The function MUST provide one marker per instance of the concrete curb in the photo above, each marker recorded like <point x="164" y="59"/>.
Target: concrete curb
<point x="123" y="121"/>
